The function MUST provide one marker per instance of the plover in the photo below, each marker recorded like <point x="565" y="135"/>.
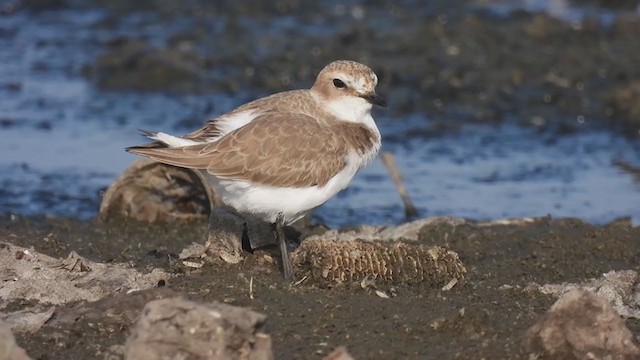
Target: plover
<point x="283" y="155"/>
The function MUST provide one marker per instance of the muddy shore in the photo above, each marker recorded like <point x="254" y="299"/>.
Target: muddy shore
<point x="484" y="316"/>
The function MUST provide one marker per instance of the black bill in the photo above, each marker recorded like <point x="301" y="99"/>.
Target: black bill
<point x="375" y="99"/>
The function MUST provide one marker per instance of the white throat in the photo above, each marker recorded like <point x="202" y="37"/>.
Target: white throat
<point x="350" y="108"/>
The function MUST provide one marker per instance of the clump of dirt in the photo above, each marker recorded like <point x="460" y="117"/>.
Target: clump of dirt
<point x="485" y="315"/>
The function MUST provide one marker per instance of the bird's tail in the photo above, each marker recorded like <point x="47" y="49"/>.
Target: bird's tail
<point x="148" y="133"/>
<point x="153" y="135"/>
<point x="165" y="140"/>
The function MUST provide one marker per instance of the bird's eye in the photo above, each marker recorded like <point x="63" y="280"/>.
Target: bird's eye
<point x="339" y="84"/>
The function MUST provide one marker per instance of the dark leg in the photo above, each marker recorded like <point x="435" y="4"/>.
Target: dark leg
<point x="286" y="261"/>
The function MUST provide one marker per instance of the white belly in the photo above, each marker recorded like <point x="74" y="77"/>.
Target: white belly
<point x="267" y="202"/>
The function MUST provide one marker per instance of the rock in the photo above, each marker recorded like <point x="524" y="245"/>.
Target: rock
<point x="179" y="329"/>
<point x="9" y="350"/>
<point x="581" y="325"/>
<point x="153" y="192"/>
<point x="620" y="288"/>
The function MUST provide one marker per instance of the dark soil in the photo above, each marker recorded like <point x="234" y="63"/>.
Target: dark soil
<point x="484" y="316"/>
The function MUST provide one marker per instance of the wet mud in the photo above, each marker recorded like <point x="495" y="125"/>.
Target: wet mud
<point x="486" y="314"/>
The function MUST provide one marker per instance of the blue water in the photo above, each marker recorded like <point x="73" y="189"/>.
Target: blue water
<point x="62" y="141"/>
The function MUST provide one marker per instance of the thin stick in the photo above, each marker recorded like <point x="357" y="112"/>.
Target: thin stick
<point x="390" y="162"/>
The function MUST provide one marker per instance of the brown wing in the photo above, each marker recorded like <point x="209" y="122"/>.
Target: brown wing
<point x="277" y="149"/>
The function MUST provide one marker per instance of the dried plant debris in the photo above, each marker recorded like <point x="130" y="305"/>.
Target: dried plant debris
<point x="410" y="231"/>
<point x="29" y="275"/>
<point x="333" y="261"/>
<point x="152" y="192"/>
